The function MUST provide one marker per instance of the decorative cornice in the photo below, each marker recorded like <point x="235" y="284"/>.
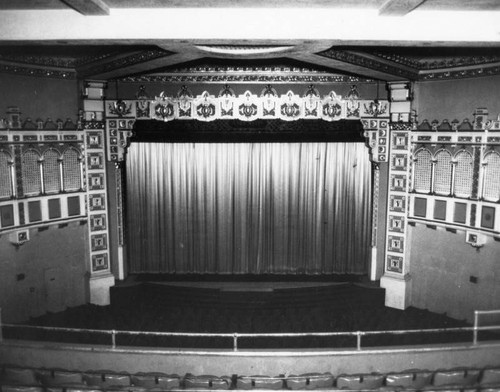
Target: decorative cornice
<point x="127" y="61"/>
<point x="254" y="74"/>
<point x="245" y="78"/>
<point x="449" y="62"/>
<point x="461" y="74"/>
<point x="37" y="72"/>
<point x="41" y="61"/>
<point x="371" y="63"/>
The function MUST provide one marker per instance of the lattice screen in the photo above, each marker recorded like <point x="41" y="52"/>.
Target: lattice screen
<point x="71" y="170"/>
<point x="464" y="169"/>
<point x="5" y="185"/>
<point x="51" y="171"/>
<point x="32" y="184"/>
<point x="422" y="171"/>
<point x="442" y="176"/>
<point x="491" y="177"/>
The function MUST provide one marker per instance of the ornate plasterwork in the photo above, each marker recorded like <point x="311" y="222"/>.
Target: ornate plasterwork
<point x="448" y="62"/>
<point x="42" y="61"/>
<point x="462" y="73"/>
<point x="38" y="72"/>
<point x="356" y="59"/>
<point x="126" y="61"/>
<point x="240" y="74"/>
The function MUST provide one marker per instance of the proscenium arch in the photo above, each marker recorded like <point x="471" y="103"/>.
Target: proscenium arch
<point x="259" y="131"/>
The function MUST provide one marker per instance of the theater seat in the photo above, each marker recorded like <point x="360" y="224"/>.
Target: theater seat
<point x="156" y="380"/>
<point x="490" y="376"/>
<point x="206" y="382"/>
<point x="262" y="382"/>
<point x="310" y="381"/>
<point x="50" y="378"/>
<point x="460" y="376"/>
<point x="106" y="379"/>
<point x="17" y="375"/>
<point x="360" y="381"/>
<point x="20" y="388"/>
<point x="410" y="379"/>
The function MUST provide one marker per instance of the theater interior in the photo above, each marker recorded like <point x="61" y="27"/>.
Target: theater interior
<point x="284" y="162"/>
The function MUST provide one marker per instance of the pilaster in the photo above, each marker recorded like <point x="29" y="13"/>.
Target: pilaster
<point x="397" y="279"/>
<point x="101" y="277"/>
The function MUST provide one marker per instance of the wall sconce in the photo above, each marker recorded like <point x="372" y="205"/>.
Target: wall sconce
<point x="474" y="239"/>
<point x="18" y="238"/>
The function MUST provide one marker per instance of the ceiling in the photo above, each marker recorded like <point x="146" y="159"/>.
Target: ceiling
<point x="320" y="40"/>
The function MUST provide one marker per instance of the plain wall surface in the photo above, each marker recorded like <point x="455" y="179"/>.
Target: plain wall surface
<point x="441" y="265"/>
<point x="47" y="273"/>
<point x="39" y="97"/>
<point x="456" y="99"/>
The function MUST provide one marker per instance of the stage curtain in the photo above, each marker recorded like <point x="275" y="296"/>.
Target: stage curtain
<point x="263" y="208"/>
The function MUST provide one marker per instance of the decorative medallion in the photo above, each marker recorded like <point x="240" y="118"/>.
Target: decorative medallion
<point x="290" y="106"/>
<point x="248" y="108"/>
<point x="332" y="107"/>
<point x="205" y="107"/>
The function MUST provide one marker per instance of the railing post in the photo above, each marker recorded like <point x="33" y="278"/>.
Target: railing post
<point x="235" y="341"/>
<point x="113" y="338"/>
<point x="358" y="340"/>
<point x="476" y="320"/>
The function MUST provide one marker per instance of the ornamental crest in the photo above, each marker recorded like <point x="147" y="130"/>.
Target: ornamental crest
<point x="375" y="108"/>
<point x="290" y="106"/>
<point x="226" y="101"/>
<point x="120" y="108"/>
<point x="184" y="102"/>
<point x="248" y="109"/>
<point x="332" y="107"/>
<point x="269" y="98"/>
<point x="311" y="102"/>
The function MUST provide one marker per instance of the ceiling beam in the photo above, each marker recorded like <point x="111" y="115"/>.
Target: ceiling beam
<point x="399" y="7"/>
<point x="88" y="7"/>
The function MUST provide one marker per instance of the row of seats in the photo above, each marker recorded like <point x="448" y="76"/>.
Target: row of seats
<point x="17" y="379"/>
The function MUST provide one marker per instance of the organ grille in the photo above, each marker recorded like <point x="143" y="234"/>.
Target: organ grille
<point x="463" y="174"/>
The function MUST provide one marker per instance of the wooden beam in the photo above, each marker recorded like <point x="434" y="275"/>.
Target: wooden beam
<point x="398" y="7"/>
<point x="88" y="7"/>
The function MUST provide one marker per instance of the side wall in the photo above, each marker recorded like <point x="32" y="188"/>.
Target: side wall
<point x="456" y="99"/>
<point x="441" y="263"/>
<point x="441" y="267"/>
<point x="47" y="273"/>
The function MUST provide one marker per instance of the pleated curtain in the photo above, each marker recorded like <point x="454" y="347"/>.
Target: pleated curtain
<point x="248" y="208"/>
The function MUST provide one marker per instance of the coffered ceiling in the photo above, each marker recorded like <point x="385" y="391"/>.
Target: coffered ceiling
<point x="145" y="40"/>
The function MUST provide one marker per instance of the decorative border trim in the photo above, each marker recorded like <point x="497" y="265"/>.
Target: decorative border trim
<point x="38" y="72"/>
<point x="356" y="59"/>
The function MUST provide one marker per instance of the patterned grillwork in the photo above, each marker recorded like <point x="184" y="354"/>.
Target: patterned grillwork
<point x="32" y="183"/>
<point x="71" y="170"/>
<point x="491" y="176"/>
<point x="5" y="186"/>
<point x="442" y="177"/>
<point x="422" y="171"/>
<point x="51" y="173"/>
<point x="463" y="174"/>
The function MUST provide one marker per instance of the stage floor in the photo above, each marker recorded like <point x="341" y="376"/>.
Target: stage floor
<point x="242" y="285"/>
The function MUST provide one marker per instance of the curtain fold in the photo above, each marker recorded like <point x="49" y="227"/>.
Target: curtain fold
<point x="248" y="208"/>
